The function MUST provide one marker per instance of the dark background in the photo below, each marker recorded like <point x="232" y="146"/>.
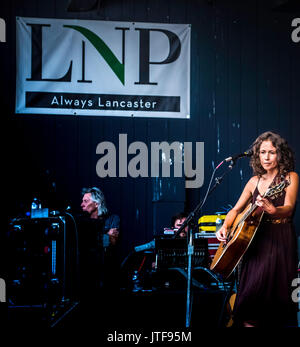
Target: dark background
<point x="245" y="76"/>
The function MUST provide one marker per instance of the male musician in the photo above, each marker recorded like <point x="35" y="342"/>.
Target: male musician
<point x="94" y="228"/>
<point x="177" y="221"/>
<point x="94" y="204"/>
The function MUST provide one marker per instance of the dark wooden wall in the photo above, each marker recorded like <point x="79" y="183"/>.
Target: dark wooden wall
<point x="245" y="75"/>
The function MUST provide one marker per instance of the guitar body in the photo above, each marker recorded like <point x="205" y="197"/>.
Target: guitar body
<point x="241" y="234"/>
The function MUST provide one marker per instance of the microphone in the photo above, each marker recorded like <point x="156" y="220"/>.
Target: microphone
<point x="248" y="153"/>
<point x="145" y="246"/>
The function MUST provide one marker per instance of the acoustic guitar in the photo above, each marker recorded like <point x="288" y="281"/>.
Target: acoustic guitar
<point x="239" y="237"/>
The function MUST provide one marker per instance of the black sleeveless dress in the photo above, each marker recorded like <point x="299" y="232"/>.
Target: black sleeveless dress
<point x="268" y="268"/>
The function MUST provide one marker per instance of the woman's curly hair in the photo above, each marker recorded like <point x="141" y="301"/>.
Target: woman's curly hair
<point x="285" y="155"/>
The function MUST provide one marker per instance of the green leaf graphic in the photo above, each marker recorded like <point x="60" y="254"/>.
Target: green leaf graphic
<point x="103" y="49"/>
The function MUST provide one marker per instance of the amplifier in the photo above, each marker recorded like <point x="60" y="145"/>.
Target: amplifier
<point x="210" y="223"/>
<point x="212" y="242"/>
<point x="37" y="260"/>
<point x="172" y="253"/>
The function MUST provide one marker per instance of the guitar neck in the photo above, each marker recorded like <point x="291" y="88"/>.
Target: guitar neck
<point x="251" y="210"/>
<point x="253" y="207"/>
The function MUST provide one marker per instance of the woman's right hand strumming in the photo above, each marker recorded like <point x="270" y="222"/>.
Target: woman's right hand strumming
<point x="221" y="234"/>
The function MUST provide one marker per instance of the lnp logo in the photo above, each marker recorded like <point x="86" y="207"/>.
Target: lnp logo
<point x="296" y="32"/>
<point x="103" y="49"/>
<point x="2" y="30"/>
<point x="103" y="67"/>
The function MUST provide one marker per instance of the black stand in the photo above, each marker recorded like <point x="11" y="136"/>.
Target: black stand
<point x="192" y="222"/>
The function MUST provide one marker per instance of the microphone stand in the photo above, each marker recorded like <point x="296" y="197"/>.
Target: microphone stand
<point x="192" y="220"/>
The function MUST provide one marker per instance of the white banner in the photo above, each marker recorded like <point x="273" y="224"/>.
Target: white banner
<point x="102" y="68"/>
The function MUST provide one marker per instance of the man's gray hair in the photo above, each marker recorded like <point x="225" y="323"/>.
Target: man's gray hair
<point x="98" y="197"/>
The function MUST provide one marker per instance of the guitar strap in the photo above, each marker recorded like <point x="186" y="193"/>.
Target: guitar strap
<point x="257" y="183"/>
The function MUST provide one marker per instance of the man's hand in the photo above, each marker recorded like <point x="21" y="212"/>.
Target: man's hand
<point x="113" y="235"/>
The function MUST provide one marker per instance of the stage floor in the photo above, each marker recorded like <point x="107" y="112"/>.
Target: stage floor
<point x="123" y="309"/>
